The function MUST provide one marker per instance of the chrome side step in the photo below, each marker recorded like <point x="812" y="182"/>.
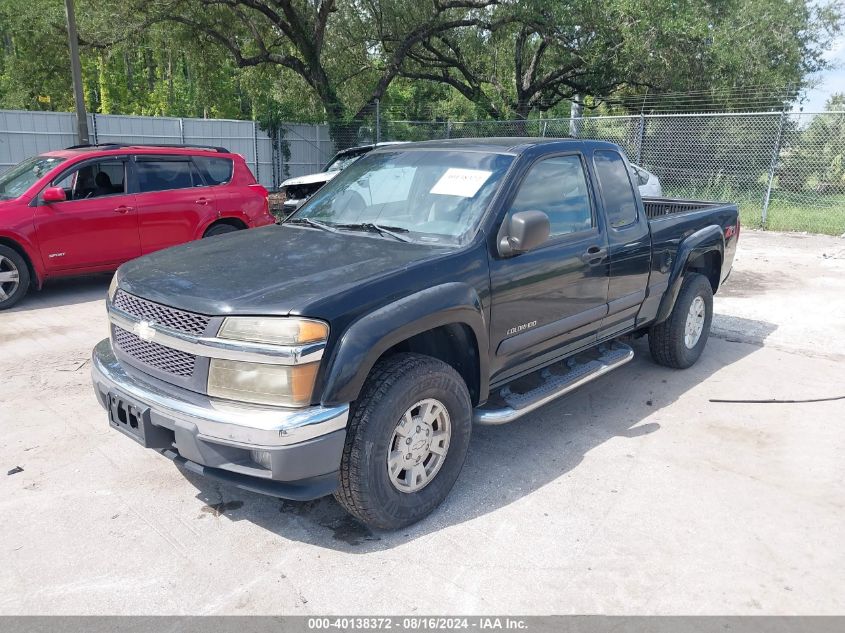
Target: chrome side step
<point x="555" y="381"/>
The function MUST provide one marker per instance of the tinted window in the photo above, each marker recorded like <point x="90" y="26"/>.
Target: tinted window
<point x="163" y="175"/>
<point x="94" y="180"/>
<point x="557" y="187"/>
<point x="616" y="190"/>
<point x="216" y="171"/>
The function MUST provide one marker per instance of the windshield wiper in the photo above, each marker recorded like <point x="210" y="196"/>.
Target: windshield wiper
<point x="309" y="222"/>
<point x="372" y="227"/>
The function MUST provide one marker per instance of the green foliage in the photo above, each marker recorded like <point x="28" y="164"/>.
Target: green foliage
<point x="34" y="56"/>
<point x="814" y="158"/>
<point x="312" y="60"/>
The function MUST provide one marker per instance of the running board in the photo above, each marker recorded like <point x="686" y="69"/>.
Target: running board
<point x="554" y="381"/>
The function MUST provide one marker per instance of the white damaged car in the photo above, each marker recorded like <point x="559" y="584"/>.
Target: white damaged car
<point x="295" y="191"/>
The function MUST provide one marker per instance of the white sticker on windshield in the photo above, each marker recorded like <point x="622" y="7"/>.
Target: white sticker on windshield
<point x="461" y="182"/>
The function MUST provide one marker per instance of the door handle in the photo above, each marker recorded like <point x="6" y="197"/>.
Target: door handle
<point x="594" y="255"/>
<point x="123" y="209"/>
<point x="202" y="201"/>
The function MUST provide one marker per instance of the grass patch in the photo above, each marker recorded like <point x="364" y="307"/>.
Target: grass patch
<point x="816" y="214"/>
<point x="807" y="211"/>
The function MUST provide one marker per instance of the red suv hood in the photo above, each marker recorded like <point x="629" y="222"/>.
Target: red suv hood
<point x="9" y="203"/>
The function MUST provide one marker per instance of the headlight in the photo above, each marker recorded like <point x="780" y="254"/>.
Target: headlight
<point x="263" y="383"/>
<point x="274" y="330"/>
<point x="284" y="385"/>
<point x="112" y="287"/>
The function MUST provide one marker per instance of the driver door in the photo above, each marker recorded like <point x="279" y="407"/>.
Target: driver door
<point x="97" y="226"/>
<point x="552" y="299"/>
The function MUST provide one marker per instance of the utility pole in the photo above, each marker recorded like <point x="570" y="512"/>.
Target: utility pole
<point x="576" y="111"/>
<point x="76" y="73"/>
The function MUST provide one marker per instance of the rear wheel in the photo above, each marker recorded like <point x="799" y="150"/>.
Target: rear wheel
<point x="679" y="341"/>
<point x="14" y="277"/>
<point x="406" y="442"/>
<point x="220" y="229"/>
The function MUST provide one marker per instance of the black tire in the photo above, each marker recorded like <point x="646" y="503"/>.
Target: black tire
<point x="666" y="340"/>
<point x="10" y="262"/>
<point x="220" y="229"/>
<point x="395" y="385"/>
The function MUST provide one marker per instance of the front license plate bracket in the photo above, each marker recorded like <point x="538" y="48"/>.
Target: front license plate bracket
<point x="133" y="419"/>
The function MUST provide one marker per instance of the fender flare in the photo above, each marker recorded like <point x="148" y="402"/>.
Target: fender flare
<point x="363" y="342"/>
<point x="709" y="239"/>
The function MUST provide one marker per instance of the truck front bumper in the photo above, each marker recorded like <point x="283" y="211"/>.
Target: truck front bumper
<point x="288" y="453"/>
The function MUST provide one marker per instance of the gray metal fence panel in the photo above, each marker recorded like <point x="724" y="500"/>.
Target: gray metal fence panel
<point x="116" y="128"/>
<point x="786" y="171"/>
<point x="236" y="136"/>
<point x="305" y="149"/>
<point x="24" y="134"/>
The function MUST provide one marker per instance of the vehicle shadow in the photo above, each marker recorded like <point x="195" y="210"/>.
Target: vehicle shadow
<point x="504" y="463"/>
<point x="65" y="291"/>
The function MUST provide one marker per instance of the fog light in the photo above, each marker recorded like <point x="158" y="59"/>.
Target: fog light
<point x="262" y="458"/>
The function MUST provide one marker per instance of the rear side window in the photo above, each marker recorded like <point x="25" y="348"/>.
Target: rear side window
<point x="616" y="190"/>
<point x="216" y="171"/>
<point x="163" y="175"/>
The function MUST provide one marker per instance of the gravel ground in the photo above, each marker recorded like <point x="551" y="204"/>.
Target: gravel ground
<point x="634" y="495"/>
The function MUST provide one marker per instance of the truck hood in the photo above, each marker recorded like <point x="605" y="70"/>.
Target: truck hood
<point x="322" y="176"/>
<point x="274" y="270"/>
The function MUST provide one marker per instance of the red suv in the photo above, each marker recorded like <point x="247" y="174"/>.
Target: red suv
<point x="90" y="208"/>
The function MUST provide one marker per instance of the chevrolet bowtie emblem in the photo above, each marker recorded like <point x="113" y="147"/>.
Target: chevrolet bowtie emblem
<point x="145" y="331"/>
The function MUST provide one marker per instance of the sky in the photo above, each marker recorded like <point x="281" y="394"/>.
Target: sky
<point x="830" y="81"/>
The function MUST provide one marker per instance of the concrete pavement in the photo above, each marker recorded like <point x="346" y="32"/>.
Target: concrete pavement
<point x="634" y="495"/>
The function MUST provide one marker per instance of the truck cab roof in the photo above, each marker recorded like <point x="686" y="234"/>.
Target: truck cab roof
<point x="501" y="145"/>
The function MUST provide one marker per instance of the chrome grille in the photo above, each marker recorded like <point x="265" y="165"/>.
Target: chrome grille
<point x="165" y="316"/>
<point x="172" y="361"/>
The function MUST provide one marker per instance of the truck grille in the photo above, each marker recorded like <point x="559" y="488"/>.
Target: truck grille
<point x="166" y="359"/>
<point x="165" y="316"/>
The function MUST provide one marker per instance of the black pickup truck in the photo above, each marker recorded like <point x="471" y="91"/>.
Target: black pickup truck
<point x="428" y="286"/>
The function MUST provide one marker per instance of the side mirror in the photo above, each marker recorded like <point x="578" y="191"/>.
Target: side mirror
<point x="54" y="194"/>
<point x="525" y="231"/>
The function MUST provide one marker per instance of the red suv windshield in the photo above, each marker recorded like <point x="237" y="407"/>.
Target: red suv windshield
<point x="22" y="176"/>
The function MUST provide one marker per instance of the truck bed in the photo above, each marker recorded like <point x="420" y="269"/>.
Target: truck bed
<point x="671" y="220"/>
<point x="661" y="207"/>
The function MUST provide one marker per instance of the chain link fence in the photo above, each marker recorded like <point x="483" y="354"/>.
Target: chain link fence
<point x="786" y="171"/>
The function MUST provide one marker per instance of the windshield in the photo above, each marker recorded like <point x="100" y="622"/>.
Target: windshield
<point x="342" y="162"/>
<point x="431" y="196"/>
<point x="21" y="177"/>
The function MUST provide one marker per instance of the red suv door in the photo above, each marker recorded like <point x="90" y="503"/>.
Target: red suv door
<point x="97" y="226"/>
<point x="173" y="200"/>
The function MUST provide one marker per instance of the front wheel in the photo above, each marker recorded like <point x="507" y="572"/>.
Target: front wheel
<point x="680" y="339"/>
<point x="406" y="442"/>
<point x="14" y="277"/>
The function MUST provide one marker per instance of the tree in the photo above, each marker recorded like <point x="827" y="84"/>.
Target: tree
<point x="31" y="55"/>
<point x="160" y="70"/>
<point x="346" y="53"/>
<point x="814" y="158"/>
<point x="536" y="54"/>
